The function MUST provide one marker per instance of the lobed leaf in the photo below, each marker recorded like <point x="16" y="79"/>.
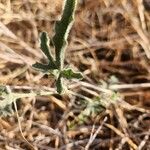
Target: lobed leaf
<point x="62" y="29"/>
<point x="44" y="45"/>
<point x="41" y="67"/>
<point x="71" y="74"/>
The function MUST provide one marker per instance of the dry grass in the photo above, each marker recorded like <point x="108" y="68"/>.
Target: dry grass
<point x="109" y="38"/>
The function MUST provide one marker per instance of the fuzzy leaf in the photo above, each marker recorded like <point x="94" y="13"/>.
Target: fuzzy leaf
<point x="7" y="111"/>
<point x="62" y="29"/>
<point x="70" y="74"/>
<point x="41" y="67"/>
<point x="44" y="45"/>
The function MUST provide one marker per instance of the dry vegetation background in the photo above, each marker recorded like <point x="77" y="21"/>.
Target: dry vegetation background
<point x="109" y="38"/>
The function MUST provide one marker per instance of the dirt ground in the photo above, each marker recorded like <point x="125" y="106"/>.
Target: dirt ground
<point x="110" y="44"/>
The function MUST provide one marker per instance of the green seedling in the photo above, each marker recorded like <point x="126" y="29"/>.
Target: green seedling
<point x="94" y="107"/>
<point x="7" y="98"/>
<point x="55" y="66"/>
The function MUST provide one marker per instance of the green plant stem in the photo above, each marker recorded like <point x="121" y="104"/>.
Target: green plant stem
<point x="11" y="97"/>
